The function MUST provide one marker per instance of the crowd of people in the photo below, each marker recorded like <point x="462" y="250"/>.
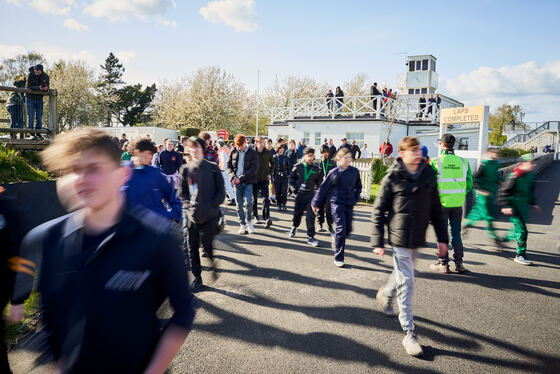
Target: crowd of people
<point x="337" y="99"/>
<point x="117" y="256"/>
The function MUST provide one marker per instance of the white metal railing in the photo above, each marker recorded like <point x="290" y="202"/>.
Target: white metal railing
<point x="364" y="168"/>
<point x="406" y="108"/>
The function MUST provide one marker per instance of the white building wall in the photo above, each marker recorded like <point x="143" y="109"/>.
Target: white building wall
<point x="157" y="134"/>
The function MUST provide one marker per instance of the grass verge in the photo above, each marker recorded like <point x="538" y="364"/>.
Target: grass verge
<point x="30" y="320"/>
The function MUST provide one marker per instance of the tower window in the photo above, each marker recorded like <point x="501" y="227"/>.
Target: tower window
<point x="424" y="64"/>
<point x="433" y="65"/>
<point x="410" y="65"/>
<point x="411" y="91"/>
<point x="424" y="90"/>
<point x="418" y="65"/>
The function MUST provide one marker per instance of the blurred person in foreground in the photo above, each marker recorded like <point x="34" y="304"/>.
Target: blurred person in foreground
<point x="105" y="269"/>
<point x="407" y="202"/>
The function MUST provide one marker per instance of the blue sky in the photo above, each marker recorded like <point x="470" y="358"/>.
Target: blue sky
<point x="489" y="52"/>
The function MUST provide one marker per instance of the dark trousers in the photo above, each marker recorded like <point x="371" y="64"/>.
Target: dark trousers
<point x="197" y="233"/>
<point x="34" y="111"/>
<point x="342" y="215"/>
<point x="281" y="188"/>
<point x="325" y="211"/>
<point x="454" y="216"/>
<point x="303" y="203"/>
<point x="16" y="116"/>
<point x="261" y="187"/>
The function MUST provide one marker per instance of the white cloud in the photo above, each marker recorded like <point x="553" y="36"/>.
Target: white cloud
<point x="57" y="7"/>
<point x="239" y="14"/>
<point x="536" y="88"/>
<point x="122" y="10"/>
<point x="166" y="22"/>
<point x="125" y="56"/>
<point x="10" y="51"/>
<point x="53" y="54"/>
<point x="72" y="24"/>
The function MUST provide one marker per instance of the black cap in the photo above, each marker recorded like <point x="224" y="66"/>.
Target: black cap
<point x="447" y="139"/>
<point x="39" y="67"/>
<point x="200" y="141"/>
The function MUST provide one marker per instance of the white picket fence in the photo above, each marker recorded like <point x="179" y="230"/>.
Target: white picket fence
<point x="366" y="177"/>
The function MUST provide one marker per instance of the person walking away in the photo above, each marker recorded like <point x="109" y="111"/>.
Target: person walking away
<point x="329" y="99"/>
<point x="148" y="187"/>
<point x="201" y="190"/>
<point x="264" y="175"/>
<point x="454" y="182"/>
<point x="170" y="161"/>
<point x="374" y="92"/>
<point x="386" y="149"/>
<point x="105" y="269"/>
<point x="406" y="203"/>
<point x="517" y="195"/>
<point x="339" y="100"/>
<point x="325" y="164"/>
<point x="280" y="177"/>
<point x="38" y="80"/>
<point x="14" y="106"/>
<point x="242" y="167"/>
<point x="365" y="152"/>
<point x="223" y="157"/>
<point x="209" y="153"/>
<point x="355" y="150"/>
<point x="305" y="178"/>
<point x="486" y="181"/>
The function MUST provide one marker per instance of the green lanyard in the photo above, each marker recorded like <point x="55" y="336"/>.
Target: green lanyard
<point x="325" y="168"/>
<point x="306" y="174"/>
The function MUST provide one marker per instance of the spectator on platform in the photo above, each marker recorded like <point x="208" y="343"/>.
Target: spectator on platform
<point x="421" y="106"/>
<point x="431" y="103"/>
<point x="14" y="106"/>
<point x="386" y="149"/>
<point x="38" y="80"/>
<point x="355" y="150"/>
<point x="329" y="97"/>
<point x="344" y="145"/>
<point x="365" y="152"/>
<point x="332" y="149"/>
<point x="374" y="92"/>
<point x="339" y="99"/>
<point x="438" y="102"/>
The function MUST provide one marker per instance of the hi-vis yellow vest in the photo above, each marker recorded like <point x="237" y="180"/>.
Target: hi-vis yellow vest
<point x="452" y="180"/>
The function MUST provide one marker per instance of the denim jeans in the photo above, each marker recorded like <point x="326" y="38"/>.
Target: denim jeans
<point x="16" y="116"/>
<point x="401" y="284"/>
<point x="244" y="191"/>
<point x="34" y="111"/>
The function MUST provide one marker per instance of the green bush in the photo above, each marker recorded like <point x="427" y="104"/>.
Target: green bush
<point x="378" y="170"/>
<point x="512" y="152"/>
<point x="189" y="131"/>
<point x="15" y="168"/>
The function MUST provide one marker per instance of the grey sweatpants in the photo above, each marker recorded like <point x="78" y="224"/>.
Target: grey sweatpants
<point x="401" y="284"/>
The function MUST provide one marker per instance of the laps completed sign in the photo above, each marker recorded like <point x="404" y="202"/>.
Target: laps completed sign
<point x="468" y="114"/>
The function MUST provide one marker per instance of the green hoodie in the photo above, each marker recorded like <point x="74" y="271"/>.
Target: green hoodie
<point x="16" y="98"/>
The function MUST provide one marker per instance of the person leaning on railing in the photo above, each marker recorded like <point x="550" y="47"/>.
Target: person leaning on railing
<point x="38" y="80"/>
<point x="14" y="106"/>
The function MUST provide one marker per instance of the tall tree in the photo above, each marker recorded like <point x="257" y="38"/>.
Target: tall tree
<point x="505" y="115"/>
<point x="134" y="104"/>
<point x="356" y="86"/>
<point x="110" y="81"/>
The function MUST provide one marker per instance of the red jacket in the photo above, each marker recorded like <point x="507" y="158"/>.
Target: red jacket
<point x="386" y="150"/>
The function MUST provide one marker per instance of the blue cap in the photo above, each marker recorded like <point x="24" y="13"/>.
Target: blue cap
<point x="424" y="150"/>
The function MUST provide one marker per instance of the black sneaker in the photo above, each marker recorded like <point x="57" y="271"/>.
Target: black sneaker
<point x="321" y="228"/>
<point x="331" y="230"/>
<point x="213" y="272"/>
<point x="232" y="202"/>
<point x="459" y="268"/>
<point x="258" y="221"/>
<point x="268" y="223"/>
<point x="40" y="137"/>
<point x="196" y="284"/>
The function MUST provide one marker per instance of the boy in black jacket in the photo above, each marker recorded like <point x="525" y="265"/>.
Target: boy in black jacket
<point x="326" y="164"/>
<point x="305" y="178"/>
<point x="407" y="201"/>
<point x="280" y="177"/>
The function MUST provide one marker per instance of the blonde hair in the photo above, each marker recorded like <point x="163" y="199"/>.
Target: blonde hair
<point x="343" y="152"/>
<point x="408" y="142"/>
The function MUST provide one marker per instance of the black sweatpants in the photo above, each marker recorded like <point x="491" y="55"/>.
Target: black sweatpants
<point x="281" y="188"/>
<point x="303" y="203"/>
<point x="325" y="212"/>
<point x="200" y="233"/>
<point x="261" y="187"/>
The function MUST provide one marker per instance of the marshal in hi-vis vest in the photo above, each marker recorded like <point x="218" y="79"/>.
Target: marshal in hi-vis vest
<point x="453" y="176"/>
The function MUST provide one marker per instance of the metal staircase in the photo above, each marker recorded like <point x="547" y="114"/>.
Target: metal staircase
<point x="549" y="126"/>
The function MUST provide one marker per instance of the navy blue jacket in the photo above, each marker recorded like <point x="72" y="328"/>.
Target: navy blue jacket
<point x="99" y="308"/>
<point x="292" y="157"/>
<point x="281" y="167"/>
<point x="147" y="187"/>
<point x="170" y="162"/>
<point x="342" y="187"/>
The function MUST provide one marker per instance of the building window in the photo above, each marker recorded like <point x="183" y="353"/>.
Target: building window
<point x="306" y="137"/>
<point x="357" y="136"/>
<point x="417" y="91"/>
<point x="317" y="138"/>
<point x="463" y="144"/>
<point x="424" y="64"/>
<point x="433" y="65"/>
<point x="418" y="65"/>
<point x="411" y="91"/>
<point x="424" y="90"/>
<point x="410" y="65"/>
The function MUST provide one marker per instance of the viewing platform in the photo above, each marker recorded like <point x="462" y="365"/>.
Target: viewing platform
<point x="403" y="109"/>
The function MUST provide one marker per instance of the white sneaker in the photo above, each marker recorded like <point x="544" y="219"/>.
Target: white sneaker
<point x="411" y="345"/>
<point x="339" y="264"/>
<point x="520" y="259"/>
<point x="250" y="227"/>
<point x="386" y="303"/>
<point x="242" y="229"/>
<point x="312" y="242"/>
